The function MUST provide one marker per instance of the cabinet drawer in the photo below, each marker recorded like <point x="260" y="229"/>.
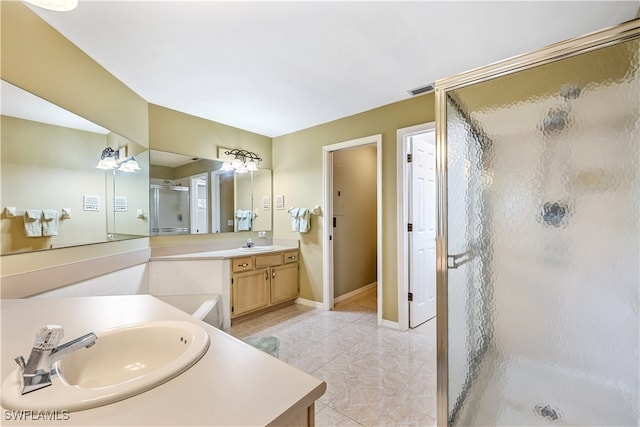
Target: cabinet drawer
<point x="242" y="264"/>
<point x="268" y="260"/>
<point x="291" y="257"/>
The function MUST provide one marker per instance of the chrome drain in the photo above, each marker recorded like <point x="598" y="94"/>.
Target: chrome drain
<point x="548" y="412"/>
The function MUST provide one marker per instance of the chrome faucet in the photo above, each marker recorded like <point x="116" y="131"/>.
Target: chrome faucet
<point x="36" y="373"/>
<point x="249" y="243"/>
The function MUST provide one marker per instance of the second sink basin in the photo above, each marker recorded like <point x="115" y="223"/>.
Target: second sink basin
<point x="124" y="362"/>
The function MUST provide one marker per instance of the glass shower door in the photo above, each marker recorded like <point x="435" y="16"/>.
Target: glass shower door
<point x="169" y="211"/>
<point x="543" y="237"/>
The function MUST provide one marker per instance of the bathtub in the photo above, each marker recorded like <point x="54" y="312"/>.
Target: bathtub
<point x="206" y="307"/>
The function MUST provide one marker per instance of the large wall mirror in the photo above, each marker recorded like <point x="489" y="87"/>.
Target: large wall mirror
<point x="190" y="195"/>
<point x="53" y="195"/>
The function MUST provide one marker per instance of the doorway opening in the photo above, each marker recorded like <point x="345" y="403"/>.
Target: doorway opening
<point x="416" y="225"/>
<point x="329" y="290"/>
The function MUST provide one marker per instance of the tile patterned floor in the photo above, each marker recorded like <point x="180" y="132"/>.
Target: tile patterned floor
<point x="375" y="376"/>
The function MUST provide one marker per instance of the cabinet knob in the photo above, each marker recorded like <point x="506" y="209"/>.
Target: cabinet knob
<point x="273" y="274"/>
<point x="291" y="257"/>
<point x="243" y="265"/>
<point x="266" y="275"/>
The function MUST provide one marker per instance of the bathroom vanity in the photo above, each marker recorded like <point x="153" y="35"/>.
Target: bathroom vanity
<point x="249" y="280"/>
<point x="262" y="281"/>
<point x="233" y="384"/>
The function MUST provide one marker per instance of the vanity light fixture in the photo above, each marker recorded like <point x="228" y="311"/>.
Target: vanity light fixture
<point x="244" y="161"/>
<point x="55" y="5"/>
<point x="108" y="159"/>
<point x="130" y="165"/>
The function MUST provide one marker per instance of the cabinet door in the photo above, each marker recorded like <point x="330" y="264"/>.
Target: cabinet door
<point x="250" y="291"/>
<point x="284" y="283"/>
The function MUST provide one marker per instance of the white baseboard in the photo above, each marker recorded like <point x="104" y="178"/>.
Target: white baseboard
<point x="309" y="303"/>
<point x="390" y="324"/>
<point x="355" y="292"/>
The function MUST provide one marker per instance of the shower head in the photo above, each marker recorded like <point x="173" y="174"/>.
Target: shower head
<point x="570" y="91"/>
<point x="554" y="213"/>
<point x="556" y="120"/>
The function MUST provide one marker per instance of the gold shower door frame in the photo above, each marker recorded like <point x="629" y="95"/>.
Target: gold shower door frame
<point x="556" y="52"/>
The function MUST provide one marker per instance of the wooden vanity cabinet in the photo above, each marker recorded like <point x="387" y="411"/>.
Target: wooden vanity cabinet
<point x="250" y="291"/>
<point x="261" y="281"/>
<point x="284" y="283"/>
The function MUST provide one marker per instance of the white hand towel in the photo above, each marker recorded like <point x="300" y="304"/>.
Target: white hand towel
<point x="294" y="219"/>
<point x="50" y="222"/>
<point x="304" y="223"/>
<point x="244" y="220"/>
<point x="32" y="222"/>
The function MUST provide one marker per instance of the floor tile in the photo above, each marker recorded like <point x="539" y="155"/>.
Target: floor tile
<point x="375" y="375"/>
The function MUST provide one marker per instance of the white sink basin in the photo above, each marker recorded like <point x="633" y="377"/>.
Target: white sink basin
<point x="124" y="362"/>
<point x="256" y="249"/>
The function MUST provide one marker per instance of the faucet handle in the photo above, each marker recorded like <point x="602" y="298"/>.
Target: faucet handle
<point x="48" y="337"/>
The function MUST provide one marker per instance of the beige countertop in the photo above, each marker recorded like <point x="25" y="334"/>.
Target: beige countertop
<point x="225" y="253"/>
<point x="233" y="384"/>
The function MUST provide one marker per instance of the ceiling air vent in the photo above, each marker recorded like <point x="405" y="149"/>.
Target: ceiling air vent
<point x="422" y="89"/>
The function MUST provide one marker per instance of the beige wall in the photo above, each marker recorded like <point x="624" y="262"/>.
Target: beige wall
<point x="32" y="168"/>
<point x="135" y="187"/>
<point x="38" y="59"/>
<point x="355" y="234"/>
<point x="297" y="175"/>
<point x="182" y="133"/>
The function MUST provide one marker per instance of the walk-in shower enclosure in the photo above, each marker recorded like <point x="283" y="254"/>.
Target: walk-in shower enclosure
<point x="538" y="237"/>
<point x="169" y="209"/>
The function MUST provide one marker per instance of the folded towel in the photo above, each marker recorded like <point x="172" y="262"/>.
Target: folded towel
<point x="32" y="222"/>
<point x="50" y="222"/>
<point x="294" y="219"/>
<point x="304" y="220"/>
<point x="244" y="220"/>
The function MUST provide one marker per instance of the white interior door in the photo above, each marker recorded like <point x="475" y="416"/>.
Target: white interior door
<point x="199" y="204"/>
<point x="422" y="216"/>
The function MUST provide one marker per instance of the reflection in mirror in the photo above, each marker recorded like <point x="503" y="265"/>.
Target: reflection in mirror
<point x="223" y="203"/>
<point x="48" y="171"/>
<point x="194" y="196"/>
<point x="261" y="202"/>
<point x="179" y="193"/>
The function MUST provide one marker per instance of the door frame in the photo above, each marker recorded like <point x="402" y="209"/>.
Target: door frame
<point x="403" y="218"/>
<point x="194" y="201"/>
<point x="327" y="225"/>
<point x="549" y="54"/>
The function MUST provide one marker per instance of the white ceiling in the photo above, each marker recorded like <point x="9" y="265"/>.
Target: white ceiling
<point x="278" y="67"/>
<point x="24" y="105"/>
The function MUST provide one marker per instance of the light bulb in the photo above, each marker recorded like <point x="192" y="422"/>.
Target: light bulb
<point x="237" y="163"/>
